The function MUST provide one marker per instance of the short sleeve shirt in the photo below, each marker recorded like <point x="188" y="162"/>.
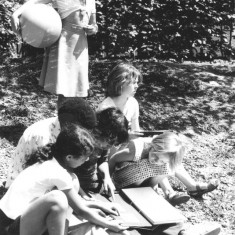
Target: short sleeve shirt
<point x="139" y="169"/>
<point x="38" y="135"/>
<point x="32" y="183"/>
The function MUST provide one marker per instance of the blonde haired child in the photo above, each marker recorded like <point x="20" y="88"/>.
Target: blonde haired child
<point x="39" y="198"/>
<point x="145" y="158"/>
<point x="148" y="161"/>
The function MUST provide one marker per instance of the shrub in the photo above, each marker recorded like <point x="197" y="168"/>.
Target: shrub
<point x="7" y="37"/>
<point x="178" y="29"/>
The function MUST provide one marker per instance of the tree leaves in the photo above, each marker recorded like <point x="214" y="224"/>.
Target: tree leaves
<point x="173" y="26"/>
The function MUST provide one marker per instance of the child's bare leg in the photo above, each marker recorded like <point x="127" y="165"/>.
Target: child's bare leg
<point x="166" y="187"/>
<point x="137" y="184"/>
<point x="164" y="184"/>
<point x="170" y="194"/>
<point x="48" y="212"/>
<point x="194" y="188"/>
<point x="186" y="179"/>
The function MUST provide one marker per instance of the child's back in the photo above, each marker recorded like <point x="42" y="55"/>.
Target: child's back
<point x="33" y="182"/>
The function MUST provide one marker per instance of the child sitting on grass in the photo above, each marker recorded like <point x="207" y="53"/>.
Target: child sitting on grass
<point x="146" y="161"/>
<point x="122" y="84"/>
<point x="38" y="200"/>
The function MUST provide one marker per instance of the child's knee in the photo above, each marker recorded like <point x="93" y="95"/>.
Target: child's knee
<point x="158" y="179"/>
<point x="57" y="200"/>
<point x="161" y="178"/>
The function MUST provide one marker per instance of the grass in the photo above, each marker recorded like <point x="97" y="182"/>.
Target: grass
<point x="194" y="99"/>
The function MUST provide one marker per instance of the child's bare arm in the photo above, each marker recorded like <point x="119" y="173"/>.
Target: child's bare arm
<point x="124" y="155"/>
<point x="84" y="195"/>
<point x="95" y="216"/>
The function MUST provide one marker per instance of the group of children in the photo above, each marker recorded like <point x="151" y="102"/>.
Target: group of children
<point x="59" y="160"/>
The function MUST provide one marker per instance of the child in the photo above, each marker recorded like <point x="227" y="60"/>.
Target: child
<point x="65" y="66"/>
<point x="122" y="84"/>
<point x="108" y="126"/>
<point x="38" y="199"/>
<point x="145" y="161"/>
<point x="75" y="110"/>
<point x="111" y="129"/>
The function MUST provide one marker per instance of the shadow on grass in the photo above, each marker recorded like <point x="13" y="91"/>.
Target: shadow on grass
<point x="178" y="97"/>
<point x="172" y="96"/>
<point x="12" y="133"/>
<point x="21" y="74"/>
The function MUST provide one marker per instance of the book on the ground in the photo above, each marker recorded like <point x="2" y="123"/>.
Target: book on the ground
<point x="143" y="208"/>
<point x="153" y="206"/>
<point x="127" y="214"/>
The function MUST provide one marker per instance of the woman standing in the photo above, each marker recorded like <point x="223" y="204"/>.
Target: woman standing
<point x="65" y="66"/>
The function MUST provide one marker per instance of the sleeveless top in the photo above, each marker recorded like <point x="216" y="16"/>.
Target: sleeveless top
<point x="66" y="7"/>
<point x="128" y="173"/>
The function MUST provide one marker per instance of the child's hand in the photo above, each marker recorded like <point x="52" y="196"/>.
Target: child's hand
<point x="87" y="198"/>
<point x="91" y="29"/>
<point x="109" y="187"/>
<point x="116" y="226"/>
<point x="99" y="212"/>
<point x="109" y="208"/>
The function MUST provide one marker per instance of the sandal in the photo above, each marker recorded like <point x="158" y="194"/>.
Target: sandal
<point x="178" y="199"/>
<point x="199" y="191"/>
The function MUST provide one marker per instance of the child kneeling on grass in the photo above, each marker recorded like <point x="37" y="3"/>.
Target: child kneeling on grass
<point x="39" y="198"/>
<point x="148" y="161"/>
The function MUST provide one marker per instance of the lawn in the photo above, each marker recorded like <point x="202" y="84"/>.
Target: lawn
<point x="194" y="99"/>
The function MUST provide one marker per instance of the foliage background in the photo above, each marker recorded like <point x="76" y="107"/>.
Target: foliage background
<point x="165" y="29"/>
<point x="179" y="29"/>
<point x="7" y="38"/>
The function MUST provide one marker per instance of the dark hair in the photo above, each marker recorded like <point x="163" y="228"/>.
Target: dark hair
<point x="120" y="75"/>
<point x="77" y="110"/>
<point x="72" y="140"/>
<point x="112" y="125"/>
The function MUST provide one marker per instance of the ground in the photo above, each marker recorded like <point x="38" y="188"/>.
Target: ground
<point x="193" y="99"/>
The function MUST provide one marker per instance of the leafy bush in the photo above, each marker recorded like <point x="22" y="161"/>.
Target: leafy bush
<point x="166" y="29"/>
<point x="178" y="29"/>
<point x="7" y="37"/>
